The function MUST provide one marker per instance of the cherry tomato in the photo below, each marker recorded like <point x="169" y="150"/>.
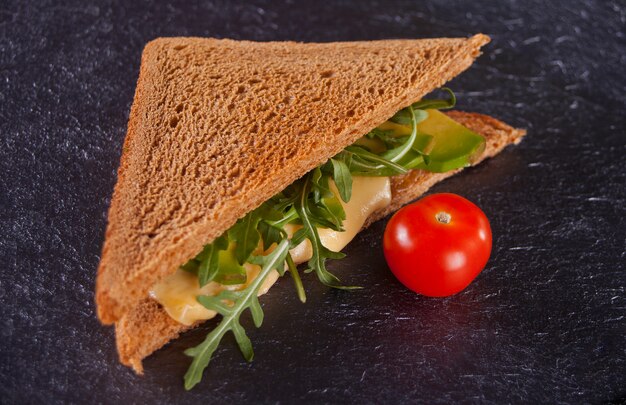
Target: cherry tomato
<point x="438" y="245"/>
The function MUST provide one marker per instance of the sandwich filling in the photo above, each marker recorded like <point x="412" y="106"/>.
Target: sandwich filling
<point x="177" y="293"/>
<point x="309" y="222"/>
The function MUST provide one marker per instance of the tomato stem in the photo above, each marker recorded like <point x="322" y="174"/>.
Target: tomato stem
<point x="443" y="217"/>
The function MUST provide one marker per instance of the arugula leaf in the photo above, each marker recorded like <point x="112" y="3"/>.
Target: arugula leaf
<point x="317" y="262"/>
<point x="293" y="269"/>
<point x="437" y="104"/>
<point x="325" y="206"/>
<point x="366" y="163"/>
<point x="330" y="207"/>
<point x="217" y="262"/>
<point x="209" y="260"/>
<point x="379" y="133"/>
<point x="403" y="117"/>
<point x="268" y="211"/>
<point x="299" y="237"/>
<point x="270" y="234"/>
<point x="290" y="215"/>
<point x="192" y="265"/>
<point x="343" y="179"/>
<point x="230" y="271"/>
<point x="241" y="300"/>
<point x="246" y="235"/>
<point x="396" y="154"/>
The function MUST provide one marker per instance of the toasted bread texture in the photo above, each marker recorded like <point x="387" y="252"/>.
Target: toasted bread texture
<point x="147" y="327"/>
<point x="219" y="126"/>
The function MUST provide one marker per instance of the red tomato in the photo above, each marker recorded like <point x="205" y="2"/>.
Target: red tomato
<point x="438" y="245"/>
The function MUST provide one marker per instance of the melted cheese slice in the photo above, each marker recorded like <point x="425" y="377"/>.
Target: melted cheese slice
<point x="177" y="293"/>
<point x="369" y="194"/>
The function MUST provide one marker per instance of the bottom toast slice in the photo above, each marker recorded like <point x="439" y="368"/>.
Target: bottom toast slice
<point x="147" y="327"/>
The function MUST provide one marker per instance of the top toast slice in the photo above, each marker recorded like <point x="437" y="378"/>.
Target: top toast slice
<point x="219" y="126"/>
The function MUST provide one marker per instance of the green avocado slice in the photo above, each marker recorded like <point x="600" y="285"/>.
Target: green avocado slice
<point x="455" y="146"/>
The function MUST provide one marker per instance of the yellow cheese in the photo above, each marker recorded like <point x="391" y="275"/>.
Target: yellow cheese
<point x="177" y="293"/>
<point x="369" y="194"/>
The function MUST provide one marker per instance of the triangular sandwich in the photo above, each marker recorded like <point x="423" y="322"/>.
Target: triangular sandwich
<point x="222" y="137"/>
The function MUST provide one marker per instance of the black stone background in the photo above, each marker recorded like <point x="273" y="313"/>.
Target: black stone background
<point x="543" y="323"/>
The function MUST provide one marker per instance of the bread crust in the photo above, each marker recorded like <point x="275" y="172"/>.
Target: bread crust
<point x="147" y="327"/>
<point x="219" y="126"/>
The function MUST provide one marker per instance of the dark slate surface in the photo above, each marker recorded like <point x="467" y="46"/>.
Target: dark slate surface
<point x="544" y="322"/>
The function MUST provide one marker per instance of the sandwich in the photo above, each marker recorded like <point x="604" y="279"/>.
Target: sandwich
<point x="244" y="159"/>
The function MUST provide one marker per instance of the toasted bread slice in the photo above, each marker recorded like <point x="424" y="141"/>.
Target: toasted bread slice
<point x="219" y="126"/>
<point x="147" y="327"/>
